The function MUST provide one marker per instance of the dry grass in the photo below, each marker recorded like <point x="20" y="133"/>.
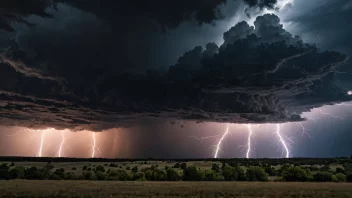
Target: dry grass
<point x="96" y="189"/>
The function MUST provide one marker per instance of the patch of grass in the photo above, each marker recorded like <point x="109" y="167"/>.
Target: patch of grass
<point x="104" y="189"/>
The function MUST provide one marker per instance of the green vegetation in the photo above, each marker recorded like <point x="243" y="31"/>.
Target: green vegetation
<point x="332" y="170"/>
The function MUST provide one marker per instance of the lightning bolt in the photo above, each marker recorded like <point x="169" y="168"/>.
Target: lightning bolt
<point x="40" y="152"/>
<point x="220" y="141"/>
<point x="204" y="138"/>
<point x="329" y="114"/>
<point x="249" y="140"/>
<point x="285" y="3"/>
<point x="284" y="144"/>
<point x="304" y="129"/>
<point x="94" y="144"/>
<point x="62" y="143"/>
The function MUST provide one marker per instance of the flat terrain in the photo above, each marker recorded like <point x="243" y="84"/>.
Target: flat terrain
<point x="110" y="189"/>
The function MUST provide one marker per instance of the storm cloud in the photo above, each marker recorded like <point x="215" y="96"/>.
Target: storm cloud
<point x="90" y="81"/>
<point x="169" y="14"/>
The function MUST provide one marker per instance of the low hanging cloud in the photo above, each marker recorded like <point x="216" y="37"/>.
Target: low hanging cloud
<point x="260" y="74"/>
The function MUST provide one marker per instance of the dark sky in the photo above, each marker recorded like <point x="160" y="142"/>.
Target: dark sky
<point x="153" y="81"/>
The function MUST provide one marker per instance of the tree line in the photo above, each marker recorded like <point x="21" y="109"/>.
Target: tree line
<point x="181" y="172"/>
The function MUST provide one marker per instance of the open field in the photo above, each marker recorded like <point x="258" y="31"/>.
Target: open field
<point x="102" y="189"/>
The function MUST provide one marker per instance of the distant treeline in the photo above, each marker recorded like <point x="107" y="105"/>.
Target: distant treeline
<point x="181" y="172"/>
<point x="243" y="161"/>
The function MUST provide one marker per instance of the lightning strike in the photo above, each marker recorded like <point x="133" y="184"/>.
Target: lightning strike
<point x="206" y="137"/>
<point x="329" y="114"/>
<point x="62" y="143"/>
<point x="284" y="144"/>
<point x="94" y="144"/>
<point x="304" y="129"/>
<point x="349" y="93"/>
<point x="40" y="152"/>
<point x="284" y="3"/>
<point x="220" y="141"/>
<point x="249" y="140"/>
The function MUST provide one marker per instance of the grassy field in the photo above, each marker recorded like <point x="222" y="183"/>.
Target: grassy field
<point x="102" y="189"/>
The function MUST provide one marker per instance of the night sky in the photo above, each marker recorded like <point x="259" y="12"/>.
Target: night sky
<point x="176" y="79"/>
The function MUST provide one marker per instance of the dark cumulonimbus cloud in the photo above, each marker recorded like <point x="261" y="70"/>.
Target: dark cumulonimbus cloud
<point x="169" y="14"/>
<point x="260" y="74"/>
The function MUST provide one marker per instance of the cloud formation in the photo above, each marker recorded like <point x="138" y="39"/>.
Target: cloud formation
<point x="260" y="74"/>
<point x="169" y="14"/>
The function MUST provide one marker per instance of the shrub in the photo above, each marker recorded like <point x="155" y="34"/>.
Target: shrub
<point x="210" y="175"/>
<point x="334" y="178"/>
<point x="4" y="171"/>
<point x="349" y="177"/>
<point x="135" y="169"/>
<point x="177" y="165"/>
<point x="172" y="175"/>
<point x="255" y="173"/>
<point x="99" y="169"/>
<point x="88" y="175"/>
<point x="100" y="175"/>
<point x="12" y="164"/>
<point x="183" y="166"/>
<point x="229" y="173"/>
<point x="49" y="166"/>
<point x="73" y="168"/>
<point x="192" y="173"/>
<point x="215" y="167"/>
<point x="323" y="177"/>
<point x="271" y="171"/>
<point x="84" y="168"/>
<point x="341" y="177"/>
<point x="296" y="174"/>
<point x="70" y="176"/>
<point x="60" y="172"/>
<point x="340" y="170"/>
<point x="34" y="173"/>
<point x="139" y="176"/>
<point x="17" y="172"/>
<point x="120" y="175"/>
<point x="160" y="175"/>
<point x="325" y="168"/>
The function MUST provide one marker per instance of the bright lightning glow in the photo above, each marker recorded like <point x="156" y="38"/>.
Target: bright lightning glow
<point x="283" y="3"/>
<point x="329" y="114"/>
<point x="204" y="138"/>
<point x="40" y="152"/>
<point x="62" y="142"/>
<point x="278" y="132"/>
<point x="304" y="129"/>
<point x="349" y="93"/>
<point x="249" y="140"/>
<point x="220" y="141"/>
<point x="94" y="145"/>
